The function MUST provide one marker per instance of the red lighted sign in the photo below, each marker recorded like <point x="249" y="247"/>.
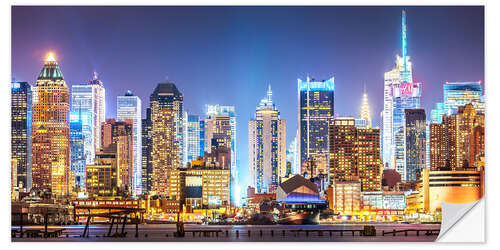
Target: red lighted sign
<point x="407" y="88"/>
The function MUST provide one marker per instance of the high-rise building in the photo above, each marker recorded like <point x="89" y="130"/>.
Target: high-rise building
<point x="129" y="107"/>
<point x="415" y="131"/>
<point x="147" y="149"/>
<point x="119" y="134"/>
<point x="214" y="113"/>
<point x="355" y="154"/>
<point x="400" y="93"/>
<point x="457" y="94"/>
<point x="21" y="115"/>
<point x="99" y="107"/>
<point x="77" y="145"/>
<point x="316" y="112"/>
<point x="194" y="137"/>
<point x="166" y="115"/>
<point x="267" y="145"/>
<point x="51" y="130"/>
<point x="458" y="142"/>
<point x="365" y="111"/>
<point x="437" y="113"/>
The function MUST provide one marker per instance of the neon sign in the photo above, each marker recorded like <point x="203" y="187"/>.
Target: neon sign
<point x="407" y="88"/>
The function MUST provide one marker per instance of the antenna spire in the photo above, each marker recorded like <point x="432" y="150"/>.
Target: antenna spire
<point x="404" y="51"/>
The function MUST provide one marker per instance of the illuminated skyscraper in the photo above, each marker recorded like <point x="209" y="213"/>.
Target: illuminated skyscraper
<point x="266" y="146"/>
<point x="365" y="111"/>
<point x="456" y="94"/>
<point x="21" y="114"/>
<point x="194" y="137"/>
<point x="400" y="93"/>
<point x="437" y="113"/>
<point x="51" y="131"/>
<point x="166" y="115"/>
<point x="415" y="133"/>
<point x="147" y="149"/>
<point x="119" y="136"/>
<point x="355" y="154"/>
<point x="77" y="144"/>
<point x="216" y="110"/>
<point x="88" y="98"/>
<point x="458" y="142"/>
<point x="129" y="107"/>
<point x="316" y="112"/>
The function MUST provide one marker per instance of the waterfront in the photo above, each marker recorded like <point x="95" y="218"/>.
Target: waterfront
<point x="270" y="233"/>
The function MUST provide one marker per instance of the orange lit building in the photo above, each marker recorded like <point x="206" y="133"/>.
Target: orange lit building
<point x="166" y="116"/>
<point x="51" y="131"/>
<point x="355" y="153"/>
<point x="119" y="135"/>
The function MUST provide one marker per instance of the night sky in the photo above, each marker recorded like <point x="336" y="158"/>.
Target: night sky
<point x="228" y="55"/>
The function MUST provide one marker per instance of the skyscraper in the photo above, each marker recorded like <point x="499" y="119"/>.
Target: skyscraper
<point x="415" y="133"/>
<point x="77" y="119"/>
<point x="194" y="133"/>
<point x="89" y="98"/>
<point x="400" y="93"/>
<point x="456" y="94"/>
<point x="129" y="107"/>
<point x="21" y="115"/>
<point x="147" y="149"/>
<point x="316" y="112"/>
<point x="51" y="130"/>
<point x="266" y="145"/>
<point x="216" y="110"/>
<point x="166" y="115"/>
<point x="354" y="154"/>
<point x="292" y="156"/>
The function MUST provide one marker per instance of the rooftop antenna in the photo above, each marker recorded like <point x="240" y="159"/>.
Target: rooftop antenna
<point x="404" y="51"/>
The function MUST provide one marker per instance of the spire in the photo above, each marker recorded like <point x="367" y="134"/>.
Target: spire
<point x="95" y="76"/>
<point x="404" y="51"/>
<point x="269" y="94"/>
<point x="95" y="79"/>
<point x="365" y="110"/>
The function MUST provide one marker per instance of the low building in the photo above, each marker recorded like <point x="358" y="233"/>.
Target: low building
<point x="200" y="187"/>
<point x="345" y="197"/>
<point x="102" y="177"/>
<point x="390" y="205"/>
<point x="459" y="186"/>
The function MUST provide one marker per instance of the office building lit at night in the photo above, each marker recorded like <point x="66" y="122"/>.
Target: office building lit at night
<point x="166" y="115"/>
<point x="266" y="146"/>
<point x="21" y="140"/>
<point x="315" y="114"/>
<point x="129" y="107"/>
<point x="51" y="159"/>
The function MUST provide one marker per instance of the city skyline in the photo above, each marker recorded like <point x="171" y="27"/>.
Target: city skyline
<point x="243" y="98"/>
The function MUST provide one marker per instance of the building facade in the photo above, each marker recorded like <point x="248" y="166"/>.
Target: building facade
<point x="400" y="93"/>
<point x="415" y="144"/>
<point x="89" y="99"/>
<point x="315" y="113"/>
<point x="102" y="175"/>
<point x="166" y="115"/>
<point x="266" y="146"/>
<point x="119" y="135"/>
<point x="355" y="154"/>
<point x="147" y="150"/>
<point x="51" y="156"/>
<point x="129" y="107"/>
<point x="21" y="140"/>
<point x="77" y="146"/>
<point x="194" y="134"/>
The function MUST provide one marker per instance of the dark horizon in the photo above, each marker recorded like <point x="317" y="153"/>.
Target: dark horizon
<point x="228" y="55"/>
